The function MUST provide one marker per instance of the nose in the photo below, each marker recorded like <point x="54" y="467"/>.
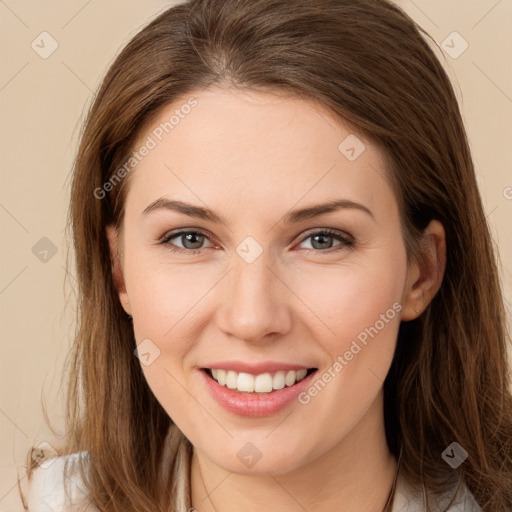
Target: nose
<point x="254" y="304"/>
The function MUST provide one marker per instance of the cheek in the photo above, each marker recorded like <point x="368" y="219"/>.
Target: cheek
<point x="353" y="300"/>
<point x="358" y="316"/>
<point x="165" y="298"/>
<point x="166" y="305"/>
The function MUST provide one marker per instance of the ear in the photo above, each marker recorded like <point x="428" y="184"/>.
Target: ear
<point x="117" y="273"/>
<point x="425" y="275"/>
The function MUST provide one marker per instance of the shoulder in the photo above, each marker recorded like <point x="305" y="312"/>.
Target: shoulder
<point x="408" y="499"/>
<point x="55" y="488"/>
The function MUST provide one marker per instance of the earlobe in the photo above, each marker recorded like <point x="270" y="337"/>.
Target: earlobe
<point x="425" y="275"/>
<point x="117" y="273"/>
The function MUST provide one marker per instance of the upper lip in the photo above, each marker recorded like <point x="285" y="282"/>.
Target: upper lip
<point x="256" y="368"/>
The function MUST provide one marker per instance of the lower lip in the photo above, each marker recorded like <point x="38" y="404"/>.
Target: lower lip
<point x="255" y="405"/>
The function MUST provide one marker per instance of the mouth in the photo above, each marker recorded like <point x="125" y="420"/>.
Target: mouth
<point x="261" y="384"/>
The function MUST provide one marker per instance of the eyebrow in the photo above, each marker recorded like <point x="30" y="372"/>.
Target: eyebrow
<point x="292" y="217"/>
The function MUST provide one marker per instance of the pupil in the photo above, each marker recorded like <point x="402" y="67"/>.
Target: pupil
<point x="315" y="237"/>
<point x="189" y="237"/>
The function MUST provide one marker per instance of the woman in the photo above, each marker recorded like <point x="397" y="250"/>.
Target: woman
<point x="288" y="294"/>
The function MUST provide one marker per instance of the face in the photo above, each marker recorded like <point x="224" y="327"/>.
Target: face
<point x="225" y="266"/>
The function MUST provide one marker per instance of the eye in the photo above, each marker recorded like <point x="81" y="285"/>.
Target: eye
<point x="191" y="241"/>
<point x="322" y="240"/>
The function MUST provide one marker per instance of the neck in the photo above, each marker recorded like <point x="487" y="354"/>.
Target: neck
<point x="356" y="474"/>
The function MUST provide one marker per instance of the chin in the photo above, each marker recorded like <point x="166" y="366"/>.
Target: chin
<point x="248" y="459"/>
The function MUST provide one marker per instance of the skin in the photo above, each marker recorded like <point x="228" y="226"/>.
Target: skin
<point x="252" y="157"/>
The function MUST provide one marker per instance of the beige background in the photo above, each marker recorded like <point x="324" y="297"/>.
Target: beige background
<point x="42" y="103"/>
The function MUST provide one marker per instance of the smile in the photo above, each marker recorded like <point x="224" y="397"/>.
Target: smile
<point x="263" y="383"/>
<point x="241" y="392"/>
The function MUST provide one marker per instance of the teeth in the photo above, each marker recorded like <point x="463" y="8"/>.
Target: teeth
<point x="301" y="373"/>
<point x="232" y="379"/>
<point x="263" y="383"/>
<point x="289" y="380"/>
<point x="278" y="380"/>
<point x="220" y="377"/>
<point x="245" y="382"/>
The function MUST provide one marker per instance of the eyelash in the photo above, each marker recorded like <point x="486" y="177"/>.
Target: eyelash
<point x="346" y="242"/>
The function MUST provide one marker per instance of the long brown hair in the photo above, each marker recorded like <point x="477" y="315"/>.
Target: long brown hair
<point x="371" y="65"/>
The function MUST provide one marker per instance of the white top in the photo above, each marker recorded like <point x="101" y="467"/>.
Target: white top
<point x="46" y="492"/>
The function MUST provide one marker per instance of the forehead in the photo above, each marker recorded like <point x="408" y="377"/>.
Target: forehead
<point x="232" y="147"/>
